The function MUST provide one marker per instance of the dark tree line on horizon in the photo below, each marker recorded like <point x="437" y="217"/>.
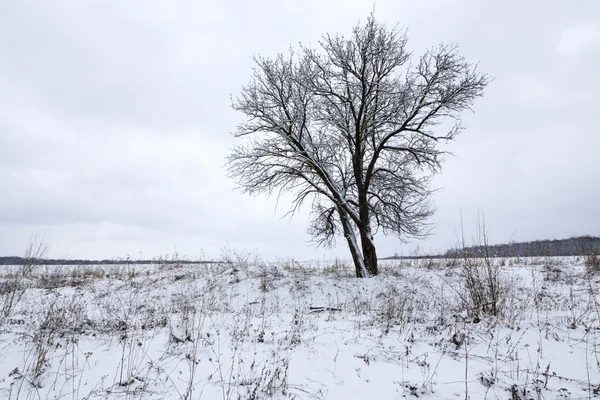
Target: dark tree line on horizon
<point x="57" y="261"/>
<point x="574" y="246"/>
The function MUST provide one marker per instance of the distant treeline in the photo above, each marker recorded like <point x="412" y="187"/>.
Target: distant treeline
<point x="575" y="246"/>
<point x="52" y="261"/>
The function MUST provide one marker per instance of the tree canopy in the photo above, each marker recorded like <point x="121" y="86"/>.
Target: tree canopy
<point x="354" y="128"/>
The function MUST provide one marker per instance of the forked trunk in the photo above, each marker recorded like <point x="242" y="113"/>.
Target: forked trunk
<point x="369" y="251"/>
<point x="366" y="236"/>
<point x="359" y="264"/>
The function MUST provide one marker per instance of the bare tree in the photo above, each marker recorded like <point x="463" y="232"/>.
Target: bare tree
<point x="353" y="128"/>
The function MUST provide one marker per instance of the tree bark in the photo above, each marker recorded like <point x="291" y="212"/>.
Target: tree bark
<point x="369" y="251"/>
<point x="359" y="264"/>
<point x="366" y="236"/>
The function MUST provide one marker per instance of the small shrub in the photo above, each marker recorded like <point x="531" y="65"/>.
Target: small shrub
<point x="13" y="288"/>
<point x="396" y="308"/>
<point x="552" y="273"/>
<point x="484" y="289"/>
<point x="592" y="262"/>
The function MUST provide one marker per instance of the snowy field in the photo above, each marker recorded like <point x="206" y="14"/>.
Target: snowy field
<point x="251" y="330"/>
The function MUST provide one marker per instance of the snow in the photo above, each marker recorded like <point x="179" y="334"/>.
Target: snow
<point x="282" y="330"/>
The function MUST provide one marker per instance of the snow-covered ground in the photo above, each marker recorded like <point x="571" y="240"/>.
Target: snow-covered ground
<point x="253" y="330"/>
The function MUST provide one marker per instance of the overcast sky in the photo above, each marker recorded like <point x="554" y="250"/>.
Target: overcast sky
<point x="115" y="120"/>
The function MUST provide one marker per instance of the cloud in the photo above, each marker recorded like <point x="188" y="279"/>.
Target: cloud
<point x="115" y="121"/>
<point x="577" y="39"/>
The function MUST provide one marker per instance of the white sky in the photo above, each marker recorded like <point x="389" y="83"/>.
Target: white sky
<point x="115" y="120"/>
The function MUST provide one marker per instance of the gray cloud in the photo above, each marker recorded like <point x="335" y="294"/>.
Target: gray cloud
<point x="114" y="121"/>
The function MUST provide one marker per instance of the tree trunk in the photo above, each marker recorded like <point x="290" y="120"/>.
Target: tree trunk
<point x="366" y="235"/>
<point x="359" y="264"/>
<point x="369" y="251"/>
